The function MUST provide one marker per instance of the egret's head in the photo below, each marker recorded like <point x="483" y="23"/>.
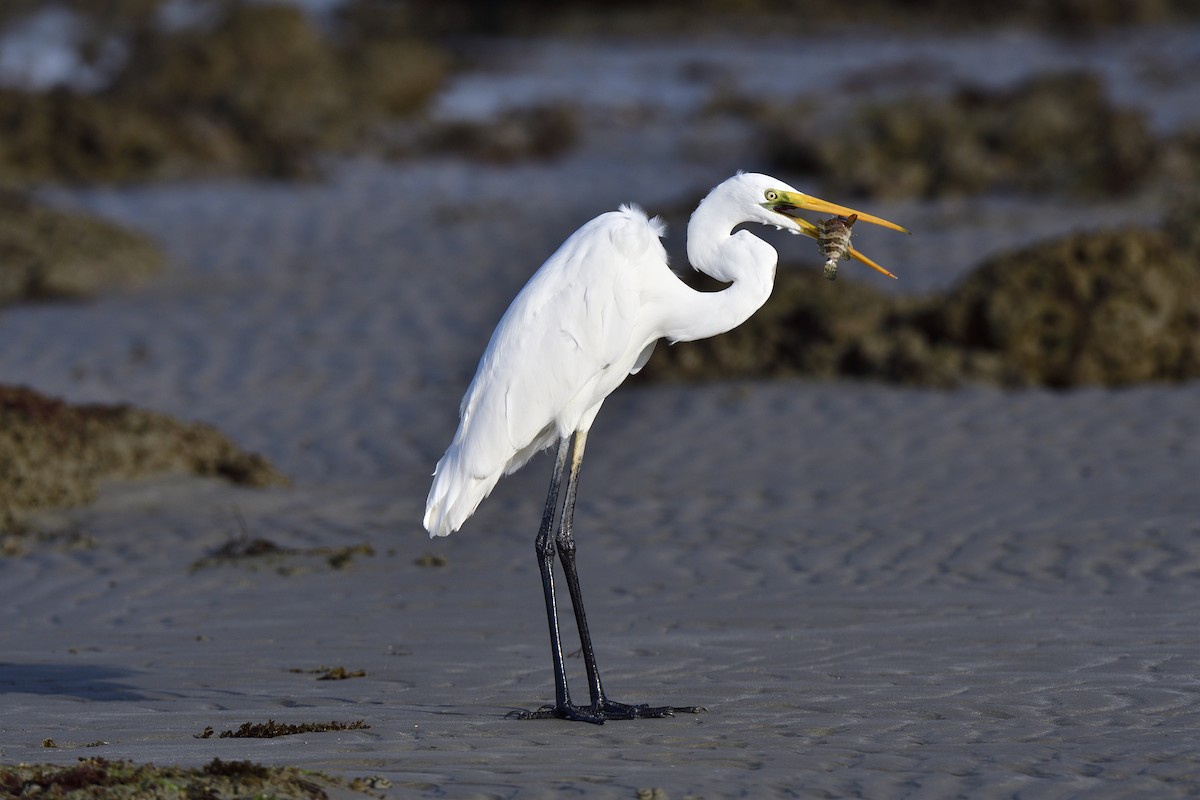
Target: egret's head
<point x="782" y="205"/>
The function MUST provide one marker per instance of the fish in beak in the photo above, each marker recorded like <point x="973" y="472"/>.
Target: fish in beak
<point x="790" y="204"/>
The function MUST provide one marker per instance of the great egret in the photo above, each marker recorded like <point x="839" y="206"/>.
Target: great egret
<point x="587" y="319"/>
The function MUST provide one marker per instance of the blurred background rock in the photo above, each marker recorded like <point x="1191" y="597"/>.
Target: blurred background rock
<point x="171" y="89"/>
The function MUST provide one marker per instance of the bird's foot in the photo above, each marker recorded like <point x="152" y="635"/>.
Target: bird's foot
<point x="567" y="711"/>
<point x="605" y="710"/>
<point x="614" y="710"/>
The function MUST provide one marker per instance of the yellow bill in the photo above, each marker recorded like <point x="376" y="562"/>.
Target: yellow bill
<point x="787" y="203"/>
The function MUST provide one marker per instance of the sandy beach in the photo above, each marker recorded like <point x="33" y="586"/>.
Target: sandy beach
<point x="875" y="591"/>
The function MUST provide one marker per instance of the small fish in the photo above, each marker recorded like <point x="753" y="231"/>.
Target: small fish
<point x="834" y="241"/>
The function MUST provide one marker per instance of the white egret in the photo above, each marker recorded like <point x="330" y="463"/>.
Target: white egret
<point x="587" y="319"/>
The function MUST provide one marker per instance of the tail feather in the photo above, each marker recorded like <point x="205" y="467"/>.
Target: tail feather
<point x="462" y="480"/>
<point x="455" y="495"/>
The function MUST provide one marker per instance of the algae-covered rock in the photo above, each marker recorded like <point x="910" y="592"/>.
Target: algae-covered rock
<point x="1111" y="308"/>
<point x="71" y="136"/>
<point x="262" y="79"/>
<point x="1055" y="132"/>
<point x="52" y="453"/>
<point x="1107" y="308"/>
<point x="246" y="88"/>
<point x="46" y="253"/>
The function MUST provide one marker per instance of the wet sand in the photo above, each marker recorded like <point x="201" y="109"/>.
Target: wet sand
<point x="875" y="591"/>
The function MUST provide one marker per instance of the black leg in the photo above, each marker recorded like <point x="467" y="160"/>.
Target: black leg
<point x="544" y="544"/>
<point x="545" y="551"/>
<point x="565" y="544"/>
<point x="601" y="707"/>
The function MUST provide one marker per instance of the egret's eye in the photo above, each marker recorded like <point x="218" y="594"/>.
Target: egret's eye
<point x="771" y="195"/>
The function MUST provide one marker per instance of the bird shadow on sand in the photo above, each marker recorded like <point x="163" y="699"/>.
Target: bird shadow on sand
<point x="85" y="681"/>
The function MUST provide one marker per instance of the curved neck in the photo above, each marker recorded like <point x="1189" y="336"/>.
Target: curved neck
<point x="741" y="259"/>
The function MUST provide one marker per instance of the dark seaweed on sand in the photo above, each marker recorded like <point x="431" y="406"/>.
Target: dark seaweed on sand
<point x="271" y="729"/>
<point x="245" y="549"/>
<point x="52" y="453"/>
<point x="331" y="673"/>
<point x="101" y="778"/>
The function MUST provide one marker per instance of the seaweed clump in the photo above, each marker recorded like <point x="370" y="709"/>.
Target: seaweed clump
<point x="331" y="673"/>
<point x="102" y="778"/>
<point x="270" y="729"/>
<point x="254" y="552"/>
<point x="1056" y="132"/>
<point x="1107" y="308"/>
<point x="46" y="253"/>
<point x="52" y="454"/>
